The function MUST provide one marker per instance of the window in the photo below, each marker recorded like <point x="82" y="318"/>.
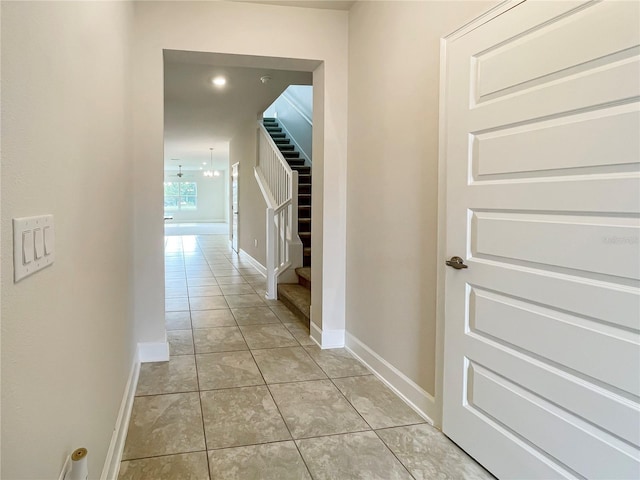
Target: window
<point x="180" y="196"/>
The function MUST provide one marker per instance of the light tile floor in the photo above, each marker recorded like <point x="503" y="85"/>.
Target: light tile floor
<point x="247" y="395"/>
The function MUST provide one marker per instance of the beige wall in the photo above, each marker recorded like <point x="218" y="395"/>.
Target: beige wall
<point x="67" y="342"/>
<point x="230" y="28"/>
<point x="393" y="179"/>
<point x="251" y="203"/>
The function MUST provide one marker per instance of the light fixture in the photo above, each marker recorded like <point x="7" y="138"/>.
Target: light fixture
<point x="265" y="79"/>
<point x="219" y="81"/>
<point x="209" y="173"/>
<point x="216" y="173"/>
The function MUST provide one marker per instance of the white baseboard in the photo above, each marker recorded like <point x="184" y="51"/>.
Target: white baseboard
<point x="415" y="396"/>
<point x="261" y="268"/>
<point x="116" y="447"/>
<point x="153" y="352"/>
<point x="326" y="338"/>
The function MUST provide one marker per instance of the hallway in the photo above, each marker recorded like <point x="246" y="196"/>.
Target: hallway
<point x="247" y="395"/>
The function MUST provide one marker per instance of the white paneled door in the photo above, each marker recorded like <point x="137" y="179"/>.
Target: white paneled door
<point x="542" y="327"/>
<point x="234" y="206"/>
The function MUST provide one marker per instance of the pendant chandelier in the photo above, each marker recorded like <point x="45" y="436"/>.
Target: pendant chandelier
<point x="209" y="173"/>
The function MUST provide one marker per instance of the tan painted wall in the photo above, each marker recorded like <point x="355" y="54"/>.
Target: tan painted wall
<point x="67" y="339"/>
<point x="251" y="203"/>
<point x="230" y="28"/>
<point x="392" y="185"/>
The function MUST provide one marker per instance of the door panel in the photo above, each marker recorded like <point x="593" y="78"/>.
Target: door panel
<point x="234" y="207"/>
<point x="506" y="67"/>
<point x="542" y="335"/>
<point x="580" y="242"/>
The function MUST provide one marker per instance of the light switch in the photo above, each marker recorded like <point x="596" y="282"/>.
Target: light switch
<point x="38" y="243"/>
<point x="27" y="247"/>
<point x="33" y="245"/>
<point x="48" y="240"/>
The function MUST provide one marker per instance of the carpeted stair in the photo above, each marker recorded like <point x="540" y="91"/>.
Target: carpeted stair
<point x="297" y="296"/>
<point x="292" y="156"/>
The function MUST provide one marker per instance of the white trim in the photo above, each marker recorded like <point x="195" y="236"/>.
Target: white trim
<point x="153" y="352"/>
<point x="483" y="18"/>
<point x="255" y="263"/>
<point x="416" y="397"/>
<point x="303" y="154"/>
<point x="326" y="339"/>
<point x="442" y="235"/>
<point x="116" y="447"/>
<point x="294" y="104"/>
<point x="436" y="412"/>
<point x="315" y="333"/>
<point x="261" y="181"/>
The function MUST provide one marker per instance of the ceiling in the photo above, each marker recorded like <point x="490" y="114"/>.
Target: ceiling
<point x="198" y="115"/>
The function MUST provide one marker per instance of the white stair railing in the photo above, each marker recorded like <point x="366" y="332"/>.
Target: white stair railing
<point x="279" y="186"/>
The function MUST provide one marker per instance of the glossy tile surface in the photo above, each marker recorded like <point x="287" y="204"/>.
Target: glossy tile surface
<point x="180" y="342"/>
<point x="213" y="318"/>
<point x="222" y="339"/>
<point x="208" y="303"/>
<point x="267" y="336"/>
<point x="227" y="370"/>
<point x="185" y="466"/>
<point x="177" y="320"/>
<point x="377" y="404"/>
<point x="300" y="333"/>
<point x="272" y="461"/>
<point x="428" y="454"/>
<point x="270" y="403"/>
<point x="285" y="315"/>
<point x="336" y="362"/>
<point x="292" y="364"/>
<point x="315" y="408"/>
<point x="237" y="289"/>
<point x="241" y="416"/>
<point x="175" y="376"/>
<point x="176" y="304"/>
<point x="249" y="300"/>
<point x="254" y="316"/>
<point x="163" y="425"/>
<point x="354" y="456"/>
<point x="204" y="291"/>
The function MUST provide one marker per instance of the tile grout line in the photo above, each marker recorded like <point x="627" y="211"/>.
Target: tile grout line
<point x="195" y="361"/>
<point x="252" y="350"/>
<point x="360" y="415"/>
<point x="278" y="410"/>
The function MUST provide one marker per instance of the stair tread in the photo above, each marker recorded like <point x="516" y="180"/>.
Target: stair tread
<point x="294" y="294"/>
<point x="304" y="272"/>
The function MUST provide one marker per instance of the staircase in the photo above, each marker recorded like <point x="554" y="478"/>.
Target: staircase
<point x="297" y="296"/>
<point x="304" y="184"/>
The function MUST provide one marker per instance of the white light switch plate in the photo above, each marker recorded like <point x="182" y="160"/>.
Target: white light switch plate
<point x="24" y="261"/>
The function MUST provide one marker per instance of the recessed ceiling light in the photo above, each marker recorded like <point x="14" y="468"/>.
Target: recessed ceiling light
<point x="219" y="81"/>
